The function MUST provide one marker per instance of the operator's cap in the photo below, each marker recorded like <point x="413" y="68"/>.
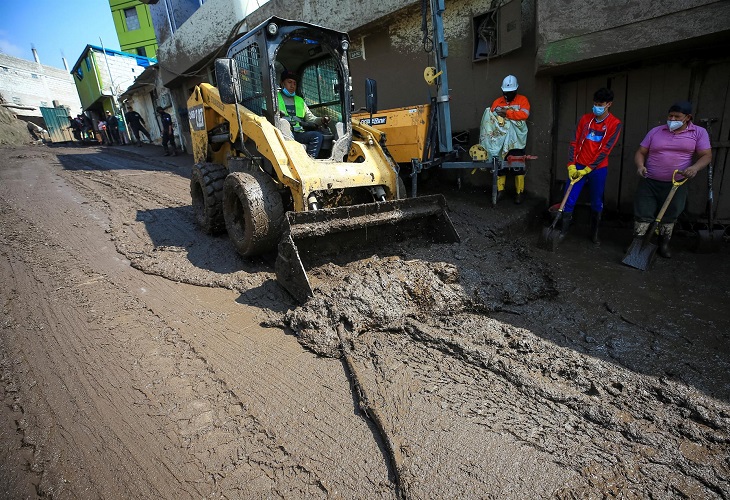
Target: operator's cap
<point x="286" y="74"/>
<point x="684" y="107"/>
<point x="108" y="112"/>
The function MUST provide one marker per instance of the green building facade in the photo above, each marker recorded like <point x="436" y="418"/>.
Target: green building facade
<point x="134" y="27"/>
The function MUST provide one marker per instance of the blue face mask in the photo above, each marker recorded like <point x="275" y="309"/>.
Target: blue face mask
<point x="287" y="93"/>
<point x="599" y="110"/>
<point x="674" y="124"/>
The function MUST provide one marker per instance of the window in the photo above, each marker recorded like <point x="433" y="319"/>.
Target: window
<point x="131" y="17"/>
<point x="321" y="89"/>
<point x="33" y="75"/>
<point x="251" y="78"/>
<point x="498" y="31"/>
<point x="141" y="51"/>
<point x="79" y="74"/>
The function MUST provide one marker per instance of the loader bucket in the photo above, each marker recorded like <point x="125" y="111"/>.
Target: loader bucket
<point x="317" y="236"/>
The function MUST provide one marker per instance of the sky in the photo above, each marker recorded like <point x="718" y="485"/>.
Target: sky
<point x="56" y="28"/>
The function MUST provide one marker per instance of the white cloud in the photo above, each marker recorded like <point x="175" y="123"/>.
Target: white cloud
<point x="9" y="48"/>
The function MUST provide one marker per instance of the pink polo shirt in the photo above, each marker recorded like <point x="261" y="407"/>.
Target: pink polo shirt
<point x="669" y="151"/>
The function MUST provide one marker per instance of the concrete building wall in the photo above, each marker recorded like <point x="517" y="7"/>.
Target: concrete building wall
<point x="579" y="34"/>
<point x="31" y="85"/>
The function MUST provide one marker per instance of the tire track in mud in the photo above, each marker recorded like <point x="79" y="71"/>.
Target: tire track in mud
<point x="158" y="235"/>
<point x="213" y="445"/>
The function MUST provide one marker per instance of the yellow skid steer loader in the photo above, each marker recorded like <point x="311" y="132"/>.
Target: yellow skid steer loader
<point x="253" y="179"/>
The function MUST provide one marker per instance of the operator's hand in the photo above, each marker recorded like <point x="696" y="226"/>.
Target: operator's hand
<point x="689" y="172"/>
<point x="572" y="172"/>
<point x="641" y="171"/>
<point x="582" y="173"/>
<point x="501" y="112"/>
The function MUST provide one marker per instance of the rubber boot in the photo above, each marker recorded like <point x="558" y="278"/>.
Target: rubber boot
<point x="519" y="188"/>
<point x="665" y="234"/>
<point x="501" y="182"/>
<point x="640" y="229"/>
<point x="565" y="225"/>
<point x="595" y="223"/>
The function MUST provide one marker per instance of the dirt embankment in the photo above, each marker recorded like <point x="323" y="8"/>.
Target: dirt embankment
<point x="13" y="132"/>
<point x="485" y="368"/>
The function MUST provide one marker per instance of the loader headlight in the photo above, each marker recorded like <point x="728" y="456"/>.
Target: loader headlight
<point x="272" y="29"/>
<point x="345" y="44"/>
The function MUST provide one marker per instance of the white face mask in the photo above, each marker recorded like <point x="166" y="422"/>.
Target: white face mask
<point x="674" y="124"/>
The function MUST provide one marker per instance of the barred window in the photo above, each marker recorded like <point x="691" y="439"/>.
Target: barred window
<point x="251" y="78"/>
<point x="321" y="89"/>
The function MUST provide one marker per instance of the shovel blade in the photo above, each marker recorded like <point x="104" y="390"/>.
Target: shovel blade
<point x="549" y="239"/>
<point x="640" y="254"/>
<point x="709" y="241"/>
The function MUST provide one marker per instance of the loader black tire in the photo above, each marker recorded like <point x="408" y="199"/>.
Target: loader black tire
<point x="206" y="190"/>
<point x="253" y="211"/>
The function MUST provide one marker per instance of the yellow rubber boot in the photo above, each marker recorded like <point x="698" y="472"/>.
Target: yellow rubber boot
<point x="519" y="188"/>
<point x="501" y="182"/>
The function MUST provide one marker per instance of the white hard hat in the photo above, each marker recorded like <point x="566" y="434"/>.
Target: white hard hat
<point x="509" y="83"/>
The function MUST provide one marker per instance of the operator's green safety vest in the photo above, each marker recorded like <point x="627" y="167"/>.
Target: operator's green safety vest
<point x="298" y="108"/>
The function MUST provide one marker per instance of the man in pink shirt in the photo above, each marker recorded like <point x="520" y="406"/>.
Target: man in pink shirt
<point x="678" y="145"/>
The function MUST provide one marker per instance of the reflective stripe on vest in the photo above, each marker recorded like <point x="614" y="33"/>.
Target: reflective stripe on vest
<point x="298" y="108"/>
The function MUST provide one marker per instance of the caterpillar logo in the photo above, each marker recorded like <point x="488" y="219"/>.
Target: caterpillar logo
<point x="377" y="120"/>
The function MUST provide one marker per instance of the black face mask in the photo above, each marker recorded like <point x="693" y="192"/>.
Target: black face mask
<point x="510" y="95"/>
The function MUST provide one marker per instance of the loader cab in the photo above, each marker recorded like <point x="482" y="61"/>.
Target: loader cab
<point x="317" y="55"/>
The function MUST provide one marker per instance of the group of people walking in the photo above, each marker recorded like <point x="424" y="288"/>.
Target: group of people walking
<point x="112" y="129"/>
<point x="678" y="145"/>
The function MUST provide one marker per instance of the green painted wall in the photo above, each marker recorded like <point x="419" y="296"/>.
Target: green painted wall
<point x="131" y="41"/>
<point x="87" y="79"/>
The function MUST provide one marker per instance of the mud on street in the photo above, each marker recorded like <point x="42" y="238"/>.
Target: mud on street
<point x="142" y="358"/>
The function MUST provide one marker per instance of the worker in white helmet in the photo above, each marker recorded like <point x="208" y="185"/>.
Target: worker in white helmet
<point x="515" y="107"/>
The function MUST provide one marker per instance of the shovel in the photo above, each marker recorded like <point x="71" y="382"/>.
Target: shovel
<point x="642" y="251"/>
<point x="550" y="238"/>
<point x="710" y="238"/>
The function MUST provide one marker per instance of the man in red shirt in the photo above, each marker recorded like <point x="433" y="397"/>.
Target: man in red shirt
<point x="515" y="107"/>
<point x="595" y="136"/>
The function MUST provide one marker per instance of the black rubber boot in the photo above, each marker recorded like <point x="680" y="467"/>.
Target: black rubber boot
<point x="595" y="223"/>
<point x="565" y="225"/>
<point x="664" y="246"/>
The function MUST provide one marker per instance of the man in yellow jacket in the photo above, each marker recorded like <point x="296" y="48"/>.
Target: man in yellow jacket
<point x="293" y="108"/>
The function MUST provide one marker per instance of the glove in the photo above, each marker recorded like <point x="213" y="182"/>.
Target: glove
<point x="572" y="171"/>
<point x="581" y="173"/>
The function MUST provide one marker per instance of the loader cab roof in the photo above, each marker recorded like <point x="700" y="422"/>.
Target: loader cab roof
<point x="316" y="54"/>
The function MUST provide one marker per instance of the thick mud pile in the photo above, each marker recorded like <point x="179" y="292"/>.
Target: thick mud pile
<point x="494" y="407"/>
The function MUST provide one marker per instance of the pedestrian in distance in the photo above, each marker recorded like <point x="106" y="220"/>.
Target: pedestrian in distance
<point x="303" y="122"/>
<point x="168" y="135"/>
<point x="595" y="136"/>
<point x="112" y="125"/>
<point x="137" y="124"/>
<point x="75" y="126"/>
<point x="677" y="145"/>
<point x="515" y="107"/>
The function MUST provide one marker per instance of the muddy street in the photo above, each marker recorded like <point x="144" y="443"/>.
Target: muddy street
<point x="142" y="358"/>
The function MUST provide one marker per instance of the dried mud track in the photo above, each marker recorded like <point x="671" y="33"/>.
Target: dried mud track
<point x="121" y="384"/>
